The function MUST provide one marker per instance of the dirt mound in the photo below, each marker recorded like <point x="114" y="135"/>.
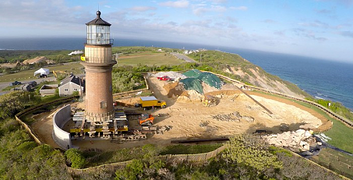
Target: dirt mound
<point x="174" y="89"/>
<point x="190" y="96"/>
<point x="35" y="60"/>
<point x="10" y="65"/>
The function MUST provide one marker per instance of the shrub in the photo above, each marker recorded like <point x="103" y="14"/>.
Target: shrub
<point x="75" y="158"/>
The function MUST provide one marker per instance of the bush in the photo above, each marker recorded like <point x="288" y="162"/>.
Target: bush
<point x="75" y="158"/>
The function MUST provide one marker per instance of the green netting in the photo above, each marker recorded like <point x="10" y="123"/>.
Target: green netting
<point x="192" y="84"/>
<point x="196" y="77"/>
<point x="210" y="79"/>
<point x="194" y="73"/>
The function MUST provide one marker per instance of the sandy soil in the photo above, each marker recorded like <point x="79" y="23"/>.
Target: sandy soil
<point x="190" y="119"/>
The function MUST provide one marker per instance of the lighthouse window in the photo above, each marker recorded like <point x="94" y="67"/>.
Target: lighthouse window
<point x="103" y="104"/>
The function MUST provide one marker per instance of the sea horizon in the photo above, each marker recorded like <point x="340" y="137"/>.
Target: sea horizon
<point x="321" y="78"/>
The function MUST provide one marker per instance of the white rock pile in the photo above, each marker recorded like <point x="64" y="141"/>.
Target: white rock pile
<point x="171" y="74"/>
<point x="298" y="140"/>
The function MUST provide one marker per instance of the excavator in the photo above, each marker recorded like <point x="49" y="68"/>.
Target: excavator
<point x="58" y="72"/>
<point x="146" y="120"/>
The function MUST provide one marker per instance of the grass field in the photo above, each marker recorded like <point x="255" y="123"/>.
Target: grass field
<point x="337" y="161"/>
<point x="149" y="59"/>
<point x="26" y="75"/>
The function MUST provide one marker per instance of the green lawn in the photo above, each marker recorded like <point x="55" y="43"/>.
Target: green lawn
<point x="149" y="59"/>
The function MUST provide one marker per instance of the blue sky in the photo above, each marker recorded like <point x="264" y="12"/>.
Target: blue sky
<point x="317" y="28"/>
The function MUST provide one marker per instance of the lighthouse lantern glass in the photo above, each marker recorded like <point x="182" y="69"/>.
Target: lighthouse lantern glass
<point x="97" y="34"/>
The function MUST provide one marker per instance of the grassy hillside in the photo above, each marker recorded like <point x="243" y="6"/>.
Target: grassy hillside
<point x="221" y="61"/>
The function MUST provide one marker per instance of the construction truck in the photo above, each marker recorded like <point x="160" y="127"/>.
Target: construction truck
<point x="151" y="101"/>
<point x="146" y="120"/>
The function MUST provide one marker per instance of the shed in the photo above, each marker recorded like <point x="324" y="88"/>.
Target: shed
<point x="42" y="71"/>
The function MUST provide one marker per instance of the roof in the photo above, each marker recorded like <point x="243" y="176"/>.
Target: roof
<point x="148" y="98"/>
<point x="74" y="79"/>
<point x="98" y="21"/>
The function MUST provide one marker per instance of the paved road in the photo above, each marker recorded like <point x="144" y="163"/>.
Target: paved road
<point x="183" y="57"/>
<point x="6" y="84"/>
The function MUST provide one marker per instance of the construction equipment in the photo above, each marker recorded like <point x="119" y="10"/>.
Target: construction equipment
<point x="151" y="101"/>
<point x="209" y="100"/>
<point x="120" y="121"/>
<point x="58" y="72"/>
<point x="146" y="120"/>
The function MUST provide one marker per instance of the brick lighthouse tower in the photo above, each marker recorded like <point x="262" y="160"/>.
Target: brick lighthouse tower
<point x="98" y="63"/>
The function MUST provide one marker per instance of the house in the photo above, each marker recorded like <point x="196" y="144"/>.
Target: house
<point x="48" y="89"/>
<point x="71" y="84"/>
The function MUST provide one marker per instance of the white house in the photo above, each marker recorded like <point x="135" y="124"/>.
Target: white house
<point x="70" y="85"/>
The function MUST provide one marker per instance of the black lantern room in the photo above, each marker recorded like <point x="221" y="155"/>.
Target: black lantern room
<point x="98" y="31"/>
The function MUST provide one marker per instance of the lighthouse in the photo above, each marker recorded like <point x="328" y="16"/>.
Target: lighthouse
<point x="98" y="63"/>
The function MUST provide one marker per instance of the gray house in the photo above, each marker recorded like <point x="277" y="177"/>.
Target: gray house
<point x="71" y="84"/>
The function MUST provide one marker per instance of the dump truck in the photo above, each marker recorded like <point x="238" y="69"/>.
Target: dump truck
<point x="151" y="101"/>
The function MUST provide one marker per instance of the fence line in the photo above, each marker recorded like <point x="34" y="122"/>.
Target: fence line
<point x="201" y="157"/>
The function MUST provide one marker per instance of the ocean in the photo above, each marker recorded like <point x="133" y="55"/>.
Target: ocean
<point x="323" y="79"/>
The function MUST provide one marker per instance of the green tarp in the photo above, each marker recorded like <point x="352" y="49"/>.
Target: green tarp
<point x="195" y="79"/>
<point x="192" y="84"/>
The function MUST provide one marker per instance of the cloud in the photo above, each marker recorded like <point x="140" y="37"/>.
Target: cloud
<point x="240" y="8"/>
<point x="199" y="10"/>
<point x="316" y="24"/>
<point x="176" y="4"/>
<point x="308" y="34"/>
<point x="347" y="33"/>
<point x="219" y="1"/>
<point x="344" y="2"/>
<point x="231" y="19"/>
<point x="279" y="33"/>
<point x="202" y="23"/>
<point x="324" y="11"/>
<point x="269" y="21"/>
<point x="143" y="8"/>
